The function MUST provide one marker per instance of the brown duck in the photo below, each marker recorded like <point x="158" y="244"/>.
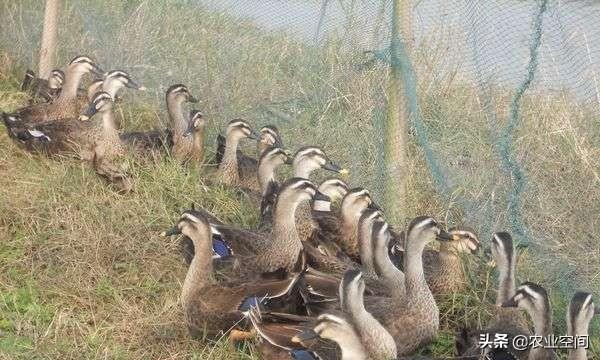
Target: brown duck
<point x="231" y="171"/>
<point x="66" y="105"/>
<point x="44" y="90"/>
<point x="95" y="141"/>
<point x="215" y="307"/>
<point x="507" y="320"/>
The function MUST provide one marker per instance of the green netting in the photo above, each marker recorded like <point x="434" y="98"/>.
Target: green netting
<point x="502" y="97"/>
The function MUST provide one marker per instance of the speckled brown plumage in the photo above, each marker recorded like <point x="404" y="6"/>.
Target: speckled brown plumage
<point x="214" y="307"/>
<point x="276" y="331"/>
<point x="506" y="320"/>
<point x="232" y="170"/>
<point x="43" y="90"/>
<point x="278" y="250"/>
<point x="66" y="105"/>
<point x="94" y="141"/>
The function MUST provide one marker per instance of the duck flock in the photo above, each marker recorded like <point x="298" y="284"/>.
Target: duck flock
<point x="323" y="276"/>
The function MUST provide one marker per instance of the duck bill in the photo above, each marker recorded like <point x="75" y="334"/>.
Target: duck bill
<point x="188" y="132"/>
<point x="510" y="303"/>
<point x="278" y="143"/>
<point x="596" y="310"/>
<point x="319" y="196"/>
<point x="289" y="160"/>
<point x="254" y="135"/>
<point x="306" y="335"/>
<point x="373" y="205"/>
<point x="88" y="113"/>
<point x="97" y="70"/>
<point x="172" y="231"/>
<point x="134" y="85"/>
<point x="487" y="254"/>
<point x="446" y="236"/>
<point x="192" y="99"/>
<point x="331" y="166"/>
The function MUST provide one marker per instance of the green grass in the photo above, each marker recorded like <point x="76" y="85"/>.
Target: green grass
<point x="83" y="272"/>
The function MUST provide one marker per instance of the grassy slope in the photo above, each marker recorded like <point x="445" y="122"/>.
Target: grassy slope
<point x="83" y="273"/>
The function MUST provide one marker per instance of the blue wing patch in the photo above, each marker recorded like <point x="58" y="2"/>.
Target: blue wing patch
<point x="220" y="248"/>
<point x="302" y="354"/>
<point x="251" y="302"/>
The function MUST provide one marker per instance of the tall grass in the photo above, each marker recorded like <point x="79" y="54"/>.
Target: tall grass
<point x="83" y="273"/>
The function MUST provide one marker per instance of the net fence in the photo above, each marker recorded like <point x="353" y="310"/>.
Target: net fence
<point x="502" y="97"/>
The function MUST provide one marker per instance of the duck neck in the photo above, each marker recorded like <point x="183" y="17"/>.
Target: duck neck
<point x="199" y="272"/>
<point x="506" y="281"/>
<point x="266" y="174"/>
<point x="349" y="222"/>
<point x="413" y="267"/>
<point x="112" y="87"/>
<point x="322" y="205"/>
<point x="391" y="275"/>
<point x="71" y="85"/>
<point x="449" y="259"/>
<point x="93" y="89"/>
<point x="542" y="325"/>
<point x="229" y="164"/>
<point x="542" y="321"/>
<point x="176" y="115"/>
<point x="351" y="347"/>
<point x="579" y="353"/>
<point x="284" y="226"/>
<point x="198" y="144"/>
<point x="108" y="123"/>
<point x="378" y="342"/>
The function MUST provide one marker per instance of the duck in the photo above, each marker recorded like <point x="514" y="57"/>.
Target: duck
<point x="405" y="305"/>
<point x="333" y="261"/>
<point x="45" y="90"/>
<point x="534" y="299"/>
<point x="269" y="136"/>
<point x="410" y="312"/>
<point x="506" y="320"/>
<point x="212" y="307"/>
<point x="305" y="161"/>
<point x="111" y="83"/>
<point x="184" y="139"/>
<point x="580" y="312"/>
<point x="269" y="254"/>
<point x="330" y="192"/>
<point x="231" y="171"/>
<point x="271" y="159"/>
<point x="444" y="269"/>
<point x="145" y="142"/>
<point x="93" y="141"/>
<point x="66" y="105"/>
<point x="324" y="253"/>
<point x="358" y="335"/>
<point x="341" y="227"/>
<point x="183" y="146"/>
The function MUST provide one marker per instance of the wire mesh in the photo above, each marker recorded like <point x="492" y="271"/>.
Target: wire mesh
<point x="503" y="97"/>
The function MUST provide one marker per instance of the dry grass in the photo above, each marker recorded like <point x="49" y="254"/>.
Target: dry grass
<point x="83" y="273"/>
